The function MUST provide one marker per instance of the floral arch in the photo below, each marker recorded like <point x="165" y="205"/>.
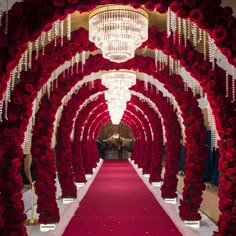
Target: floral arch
<point x="14" y="44"/>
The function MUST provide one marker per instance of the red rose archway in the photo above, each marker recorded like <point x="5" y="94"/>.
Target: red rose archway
<point x="224" y="119"/>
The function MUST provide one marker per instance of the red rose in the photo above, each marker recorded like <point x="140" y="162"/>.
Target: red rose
<point x="161" y="8"/>
<point x="219" y="33"/>
<point x="175" y="6"/>
<point x="196" y="15"/>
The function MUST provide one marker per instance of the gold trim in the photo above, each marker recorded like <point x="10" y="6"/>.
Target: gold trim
<point x="117" y="7"/>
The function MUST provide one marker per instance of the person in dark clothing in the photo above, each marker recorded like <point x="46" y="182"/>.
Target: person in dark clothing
<point x="101" y="148"/>
<point x="119" y="147"/>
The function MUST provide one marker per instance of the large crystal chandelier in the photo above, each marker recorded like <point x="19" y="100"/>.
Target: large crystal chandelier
<point x="118" y="93"/>
<point x="118" y="31"/>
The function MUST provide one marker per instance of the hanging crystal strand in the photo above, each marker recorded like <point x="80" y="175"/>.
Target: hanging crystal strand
<point x="57" y="31"/>
<point x="19" y="67"/>
<point x="194" y="33"/>
<point x="6" y="18"/>
<point x="188" y="28"/>
<point x="62" y="32"/>
<point x="145" y="82"/>
<point x="226" y="82"/>
<point x="160" y="60"/>
<point x="48" y="88"/>
<point x="34" y="112"/>
<point x="12" y="79"/>
<point x="185" y="31"/>
<point x="83" y="59"/>
<point x="49" y="35"/>
<point x="233" y="88"/>
<point x="1" y="109"/>
<point x="39" y="95"/>
<point x="69" y="27"/>
<point x="51" y="85"/>
<point x="211" y="51"/>
<point x="7" y="98"/>
<point x="204" y="45"/>
<point x="37" y="48"/>
<point x="210" y="120"/>
<point x="25" y="56"/>
<point x="168" y="23"/>
<point x="170" y="65"/>
<point x="64" y="73"/>
<point x="173" y="24"/>
<point x="42" y="41"/>
<point x="52" y="31"/>
<point x="156" y="58"/>
<point x="77" y="62"/>
<point x="30" y="49"/>
<point x="199" y="35"/>
<point x="92" y="79"/>
<point x="72" y="66"/>
<point x="179" y="28"/>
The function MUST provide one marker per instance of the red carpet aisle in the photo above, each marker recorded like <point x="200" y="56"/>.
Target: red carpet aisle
<point x="118" y="203"/>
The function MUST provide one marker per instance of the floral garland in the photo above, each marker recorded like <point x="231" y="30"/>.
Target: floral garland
<point x="146" y="162"/>
<point x="173" y="147"/>
<point x="143" y="158"/>
<point x="68" y="113"/>
<point x="173" y="132"/>
<point x="76" y="147"/>
<point x="89" y="163"/>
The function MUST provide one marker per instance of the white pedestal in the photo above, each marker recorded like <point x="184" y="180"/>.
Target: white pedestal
<point x="47" y="227"/>
<point x="146" y="175"/>
<point x="87" y="176"/>
<point x="140" y="169"/>
<point x="67" y="200"/>
<point x="170" y="200"/>
<point x="78" y="185"/>
<point x="192" y="223"/>
<point x="94" y="169"/>
<point x="157" y="184"/>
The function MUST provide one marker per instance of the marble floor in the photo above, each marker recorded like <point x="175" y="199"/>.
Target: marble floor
<point x="67" y="211"/>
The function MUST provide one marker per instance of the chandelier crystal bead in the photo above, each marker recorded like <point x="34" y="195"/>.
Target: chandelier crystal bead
<point x="118" y="31"/>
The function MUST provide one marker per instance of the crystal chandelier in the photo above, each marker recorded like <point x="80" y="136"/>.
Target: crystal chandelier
<point x="118" y="31"/>
<point x="123" y="79"/>
<point x="118" y="93"/>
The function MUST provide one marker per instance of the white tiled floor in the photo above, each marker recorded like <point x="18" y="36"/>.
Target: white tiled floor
<point x="67" y="211"/>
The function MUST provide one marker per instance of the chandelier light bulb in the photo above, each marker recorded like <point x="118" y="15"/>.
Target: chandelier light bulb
<point x="118" y="30"/>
